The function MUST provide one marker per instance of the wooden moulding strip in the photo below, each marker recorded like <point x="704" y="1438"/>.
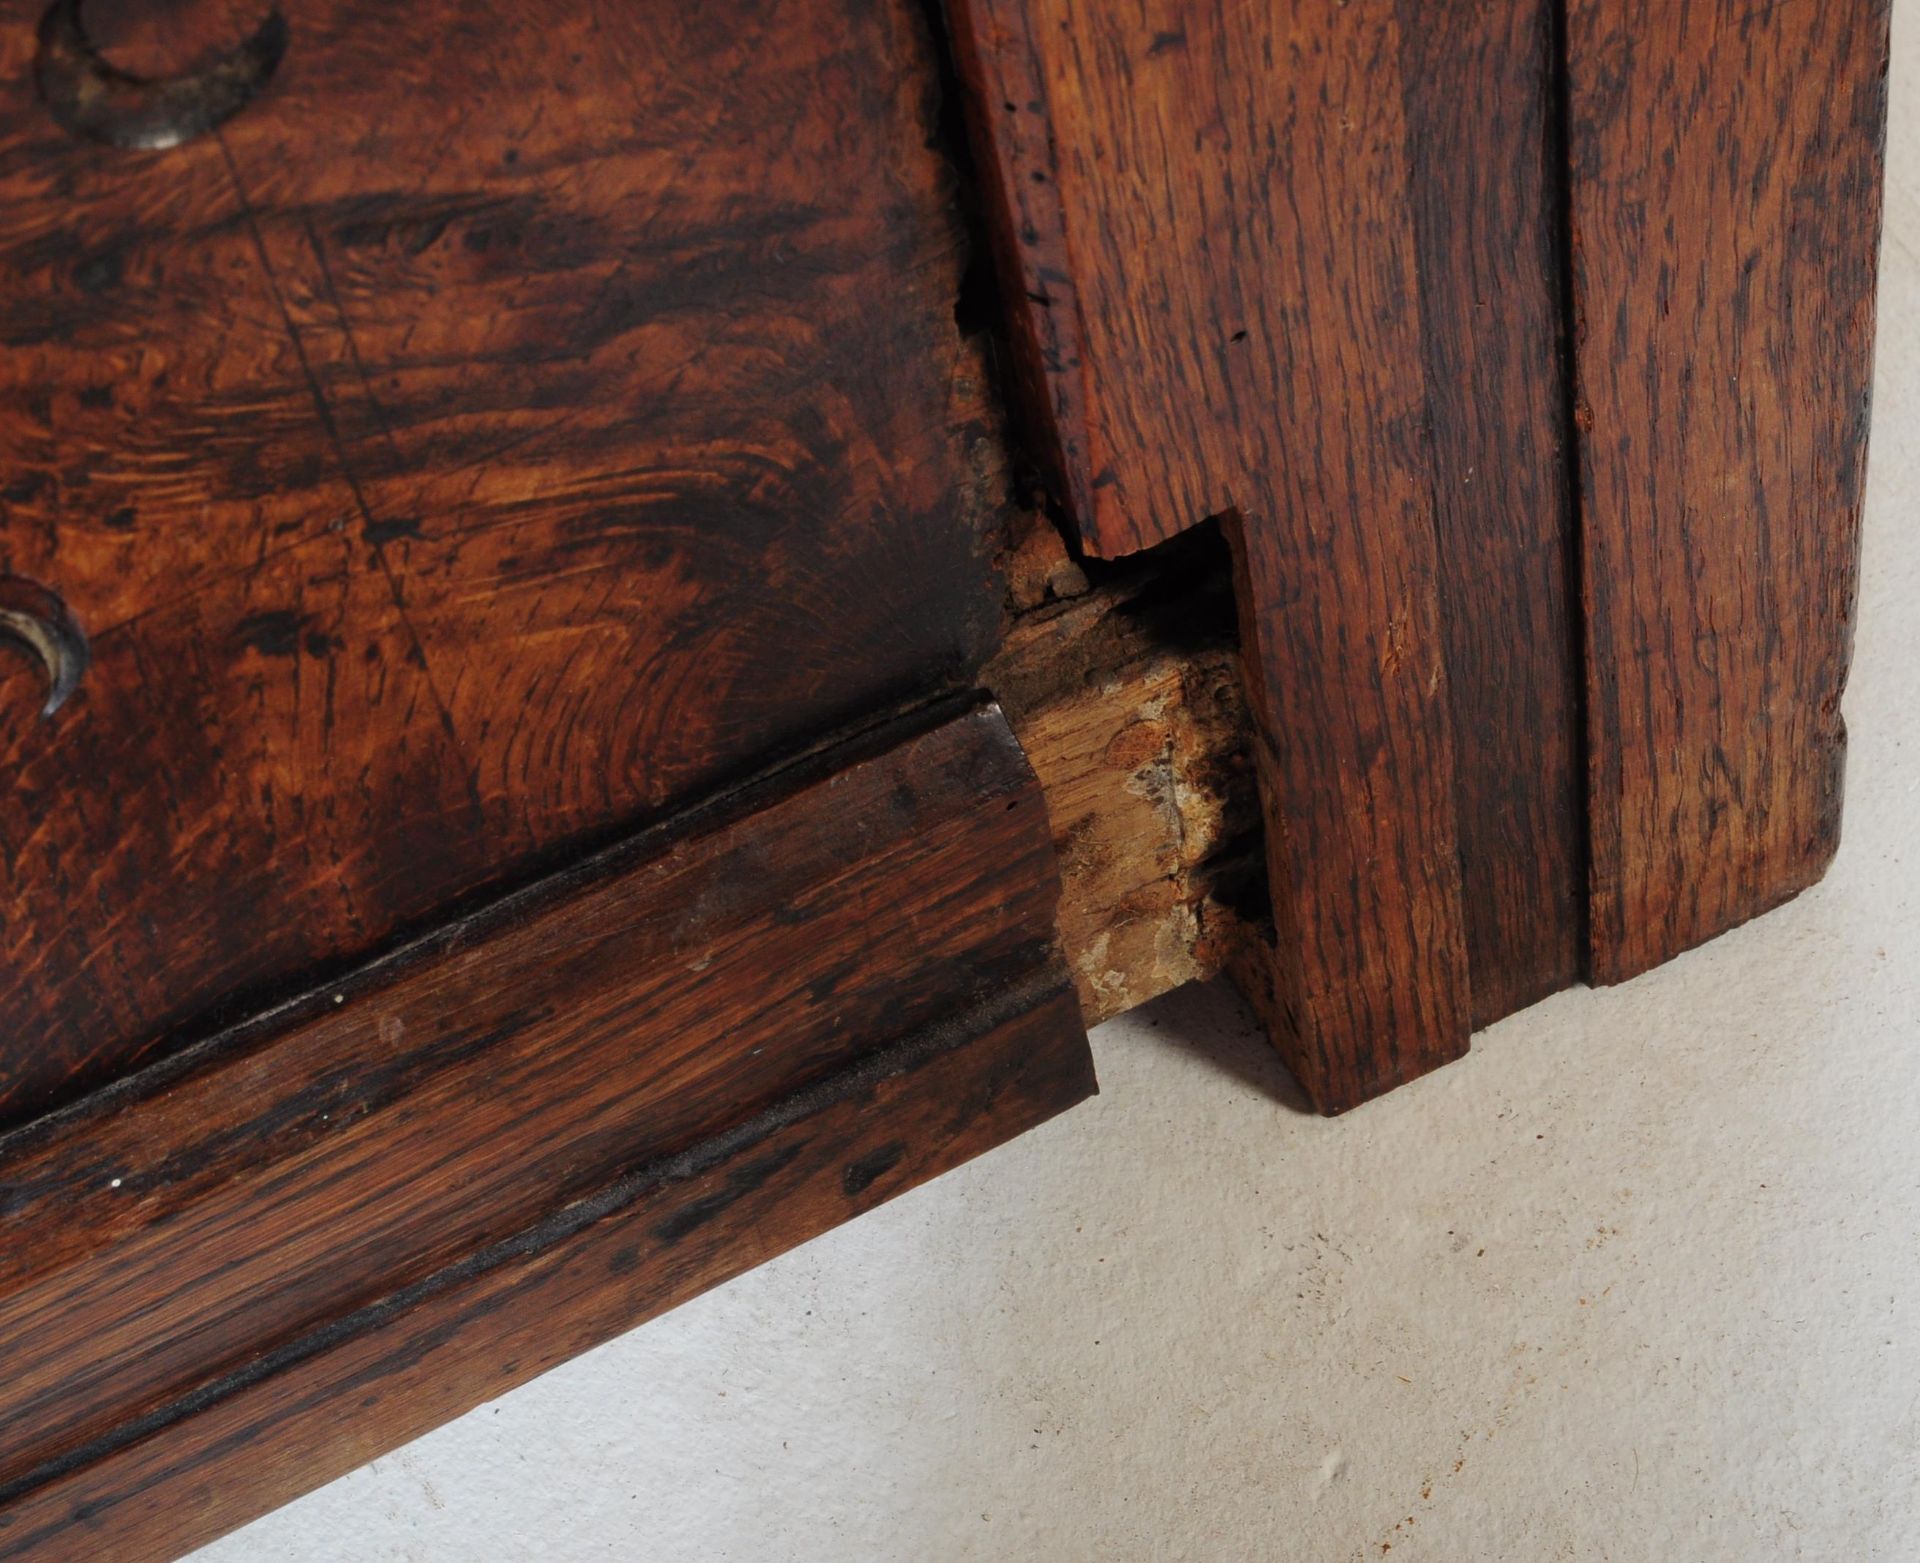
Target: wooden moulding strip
<point x="689" y="1057"/>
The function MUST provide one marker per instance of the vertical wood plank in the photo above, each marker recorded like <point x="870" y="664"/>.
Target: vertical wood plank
<point x="1338" y="567"/>
<point x="1295" y="264"/>
<point x="1725" y="164"/>
<point x="1482" y="138"/>
<point x="1212" y="237"/>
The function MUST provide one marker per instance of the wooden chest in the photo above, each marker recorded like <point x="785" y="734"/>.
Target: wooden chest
<point x="630" y="616"/>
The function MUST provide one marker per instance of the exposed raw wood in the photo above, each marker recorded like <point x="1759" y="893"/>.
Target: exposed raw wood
<point x="1725" y="177"/>
<point x="677" y="1040"/>
<point x="1302" y="265"/>
<point x="1037" y="566"/>
<point x="491" y="442"/>
<point x="1127" y="700"/>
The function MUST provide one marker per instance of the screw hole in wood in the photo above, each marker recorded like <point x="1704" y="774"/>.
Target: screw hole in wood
<point x="97" y="101"/>
<point x="35" y="623"/>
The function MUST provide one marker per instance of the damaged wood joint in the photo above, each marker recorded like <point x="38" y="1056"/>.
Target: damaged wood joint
<point x="1125" y="693"/>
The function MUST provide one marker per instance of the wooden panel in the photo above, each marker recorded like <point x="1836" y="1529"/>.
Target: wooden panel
<point x="511" y="426"/>
<point x="1483" y="143"/>
<point x="281" y="1427"/>
<point x="1725" y="178"/>
<point x="1235" y="243"/>
<point x="467" y="1089"/>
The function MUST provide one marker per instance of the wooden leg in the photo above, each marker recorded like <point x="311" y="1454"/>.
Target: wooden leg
<point x="1447" y="307"/>
<point x="1255" y="303"/>
<point x="1725" y="165"/>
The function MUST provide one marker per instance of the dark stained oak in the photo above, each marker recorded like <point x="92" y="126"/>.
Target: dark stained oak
<point x="1215" y="229"/>
<point x="246" y="1273"/>
<point x="517" y="422"/>
<point x="1336" y="557"/>
<point x="1725" y="172"/>
<point x="332" y="1401"/>
<point x="164" y="40"/>
<point x="1001" y="51"/>
<point x="1483" y="142"/>
<point x="1329" y="270"/>
<point x="498" y="842"/>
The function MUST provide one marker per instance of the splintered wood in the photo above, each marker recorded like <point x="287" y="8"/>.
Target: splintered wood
<point x="1136" y="728"/>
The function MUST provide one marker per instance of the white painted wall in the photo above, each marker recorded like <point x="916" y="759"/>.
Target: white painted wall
<point x="1638" y="1281"/>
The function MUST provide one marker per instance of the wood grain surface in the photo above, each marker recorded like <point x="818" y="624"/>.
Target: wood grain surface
<point x="157" y="40"/>
<point x="1221" y="200"/>
<point x="473" y="1333"/>
<point x="520" y="420"/>
<point x="1725" y="172"/>
<point x="488" y="1151"/>
<point x="1483" y="147"/>
<point x="1307" y="266"/>
<point x="1126" y="698"/>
